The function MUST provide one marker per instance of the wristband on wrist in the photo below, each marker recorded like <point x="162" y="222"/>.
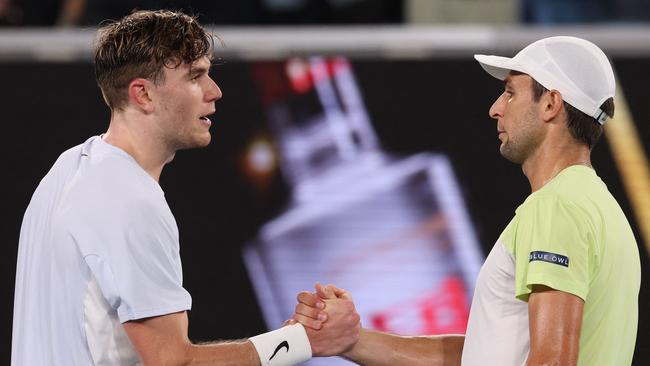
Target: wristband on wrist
<point x="283" y="347"/>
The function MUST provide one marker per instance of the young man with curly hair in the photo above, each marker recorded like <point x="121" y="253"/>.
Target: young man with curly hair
<point x="99" y="277"/>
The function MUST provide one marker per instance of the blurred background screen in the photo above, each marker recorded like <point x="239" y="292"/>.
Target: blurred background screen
<point x="357" y="214"/>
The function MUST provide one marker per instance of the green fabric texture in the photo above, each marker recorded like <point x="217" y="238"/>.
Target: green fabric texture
<point x="571" y="235"/>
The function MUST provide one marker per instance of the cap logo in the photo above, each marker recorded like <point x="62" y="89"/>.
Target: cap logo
<point x="600" y="116"/>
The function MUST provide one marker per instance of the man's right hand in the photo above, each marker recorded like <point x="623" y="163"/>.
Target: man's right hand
<point x="322" y="314"/>
<point x="330" y="319"/>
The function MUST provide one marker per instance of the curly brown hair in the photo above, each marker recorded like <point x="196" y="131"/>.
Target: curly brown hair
<point x="140" y="44"/>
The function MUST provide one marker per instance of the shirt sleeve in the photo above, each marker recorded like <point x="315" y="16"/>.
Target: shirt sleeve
<point x="138" y="267"/>
<point x="553" y="247"/>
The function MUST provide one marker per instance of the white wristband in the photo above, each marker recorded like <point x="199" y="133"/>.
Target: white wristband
<point x="283" y="347"/>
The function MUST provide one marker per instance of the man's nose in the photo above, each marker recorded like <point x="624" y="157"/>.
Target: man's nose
<point x="496" y="110"/>
<point x="214" y="92"/>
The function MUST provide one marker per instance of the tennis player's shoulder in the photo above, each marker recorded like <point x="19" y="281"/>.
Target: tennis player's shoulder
<point x="555" y="195"/>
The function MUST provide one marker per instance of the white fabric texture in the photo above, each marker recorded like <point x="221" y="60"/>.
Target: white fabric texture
<point x="286" y="346"/>
<point x="107" y="340"/>
<point x="575" y="67"/>
<point x="497" y="330"/>
<point x="96" y="224"/>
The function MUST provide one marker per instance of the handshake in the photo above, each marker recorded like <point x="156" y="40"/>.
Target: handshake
<point x="333" y="328"/>
<point x="330" y="320"/>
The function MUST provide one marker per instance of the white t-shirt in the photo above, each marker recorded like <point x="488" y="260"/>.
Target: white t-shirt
<point x="98" y="247"/>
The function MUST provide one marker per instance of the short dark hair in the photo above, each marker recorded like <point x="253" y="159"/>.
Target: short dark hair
<point x="583" y="127"/>
<point x="140" y="45"/>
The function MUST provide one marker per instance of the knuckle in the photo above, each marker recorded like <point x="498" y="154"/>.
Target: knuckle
<point x="310" y="312"/>
<point x="308" y="322"/>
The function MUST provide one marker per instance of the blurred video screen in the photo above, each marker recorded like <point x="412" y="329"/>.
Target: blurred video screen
<point x="392" y="230"/>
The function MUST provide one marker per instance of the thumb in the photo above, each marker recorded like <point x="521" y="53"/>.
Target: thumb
<point x="341" y="293"/>
<point x="325" y="292"/>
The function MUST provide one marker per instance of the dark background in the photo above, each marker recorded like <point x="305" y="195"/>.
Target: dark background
<point x="415" y="106"/>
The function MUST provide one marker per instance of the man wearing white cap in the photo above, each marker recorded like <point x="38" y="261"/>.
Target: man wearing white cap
<point x="560" y="286"/>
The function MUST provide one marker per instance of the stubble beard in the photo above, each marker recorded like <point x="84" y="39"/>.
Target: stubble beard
<point x="183" y="135"/>
<point x="187" y="141"/>
<point x="520" y="146"/>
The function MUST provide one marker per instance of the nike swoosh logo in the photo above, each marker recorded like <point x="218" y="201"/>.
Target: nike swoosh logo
<point x="280" y="346"/>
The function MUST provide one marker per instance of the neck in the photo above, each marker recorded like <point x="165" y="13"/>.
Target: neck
<point x="133" y="135"/>
<point x="550" y="159"/>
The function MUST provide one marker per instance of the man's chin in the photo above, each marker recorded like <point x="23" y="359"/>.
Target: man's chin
<point x="197" y="143"/>
<point x="510" y="155"/>
<point x="204" y="141"/>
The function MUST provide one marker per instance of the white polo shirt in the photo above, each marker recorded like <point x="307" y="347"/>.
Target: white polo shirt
<point x="98" y="247"/>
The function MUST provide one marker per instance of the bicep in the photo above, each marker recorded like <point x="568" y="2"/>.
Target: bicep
<point x="160" y="339"/>
<point x="555" y="320"/>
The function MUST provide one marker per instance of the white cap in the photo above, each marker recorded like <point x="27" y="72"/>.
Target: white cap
<point x="577" y="68"/>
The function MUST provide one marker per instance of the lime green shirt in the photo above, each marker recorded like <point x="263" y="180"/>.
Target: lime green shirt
<point x="570" y="235"/>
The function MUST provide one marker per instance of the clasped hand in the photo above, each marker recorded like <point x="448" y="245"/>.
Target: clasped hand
<point x="330" y="319"/>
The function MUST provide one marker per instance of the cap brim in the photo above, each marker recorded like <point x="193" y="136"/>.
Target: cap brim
<point x="498" y="66"/>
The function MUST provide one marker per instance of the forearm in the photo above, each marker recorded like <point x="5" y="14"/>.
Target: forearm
<point x="377" y="349"/>
<point x="235" y="353"/>
<point x="162" y="340"/>
<point x="552" y="355"/>
<point x="288" y="345"/>
<point x="228" y="353"/>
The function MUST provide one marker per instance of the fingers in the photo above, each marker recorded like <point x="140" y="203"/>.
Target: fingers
<point x="308" y="322"/>
<point x="340" y="293"/>
<point x="310" y="299"/>
<point x="331" y="292"/>
<point x="325" y="292"/>
<point x="345" y="295"/>
<point x="310" y="312"/>
<point x="341" y="331"/>
<point x="310" y="308"/>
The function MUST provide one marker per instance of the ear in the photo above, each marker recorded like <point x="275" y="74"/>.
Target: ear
<point x="140" y="94"/>
<point x="551" y="105"/>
